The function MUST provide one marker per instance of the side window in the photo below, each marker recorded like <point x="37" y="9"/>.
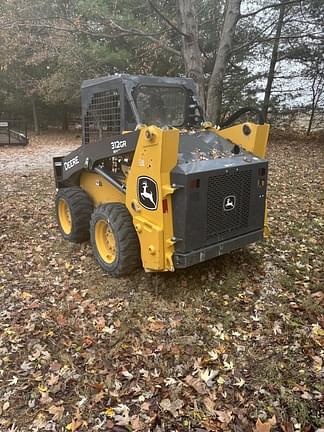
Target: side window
<point x="103" y="116"/>
<point x="161" y="105"/>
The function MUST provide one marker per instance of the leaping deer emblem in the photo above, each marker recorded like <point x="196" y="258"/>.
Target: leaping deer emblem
<point x="229" y="203"/>
<point x="147" y="195"/>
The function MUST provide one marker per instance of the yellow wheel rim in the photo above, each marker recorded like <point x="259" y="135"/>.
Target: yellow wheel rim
<point x="64" y="215"/>
<point x="105" y="241"/>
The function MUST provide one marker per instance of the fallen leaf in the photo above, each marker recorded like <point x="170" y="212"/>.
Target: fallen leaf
<point x="122" y="415"/>
<point x="56" y="411"/>
<point x="87" y="341"/>
<point x="213" y="355"/>
<point x="100" y="323"/>
<point x="210" y="405"/>
<point x="239" y="382"/>
<point x="318" y="296"/>
<point x="173" y="407"/>
<point x="127" y="375"/>
<point x="228" y="365"/>
<point x="224" y="416"/>
<point x="76" y="423"/>
<point x="136" y="423"/>
<point x="13" y="381"/>
<point x="145" y="406"/>
<point x="61" y="320"/>
<point x="53" y="379"/>
<point x="117" y="323"/>
<point x="42" y="389"/>
<point x="109" y="412"/>
<point x="98" y="397"/>
<point x="196" y="384"/>
<point x="318" y="364"/>
<point x="40" y="421"/>
<point x="156" y="326"/>
<point x="220" y="380"/>
<point x="276" y="328"/>
<point x="5" y="406"/>
<point x="266" y="426"/>
<point x="170" y="381"/>
<point x="45" y="398"/>
<point x="25" y="295"/>
<point x="287" y="427"/>
<point x="208" y="376"/>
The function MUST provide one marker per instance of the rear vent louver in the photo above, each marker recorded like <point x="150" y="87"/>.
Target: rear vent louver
<point x="220" y="221"/>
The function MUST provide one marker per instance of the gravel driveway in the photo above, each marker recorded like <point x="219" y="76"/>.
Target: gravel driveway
<point x="38" y="154"/>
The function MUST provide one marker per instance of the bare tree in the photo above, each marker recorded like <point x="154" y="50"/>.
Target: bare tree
<point x="317" y="93"/>
<point x="273" y="62"/>
<point x="188" y="26"/>
<point x="215" y="87"/>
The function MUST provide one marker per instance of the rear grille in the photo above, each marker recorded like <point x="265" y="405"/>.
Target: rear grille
<point x="219" y="221"/>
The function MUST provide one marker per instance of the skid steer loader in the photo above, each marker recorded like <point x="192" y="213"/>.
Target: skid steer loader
<point x="154" y="183"/>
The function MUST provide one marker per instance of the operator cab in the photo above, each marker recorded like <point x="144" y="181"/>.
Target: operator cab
<point x="114" y="104"/>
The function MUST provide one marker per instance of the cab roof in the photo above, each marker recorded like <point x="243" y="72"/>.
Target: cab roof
<point x="131" y="81"/>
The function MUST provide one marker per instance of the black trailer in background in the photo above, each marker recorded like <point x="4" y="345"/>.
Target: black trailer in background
<point x="13" y="132"/>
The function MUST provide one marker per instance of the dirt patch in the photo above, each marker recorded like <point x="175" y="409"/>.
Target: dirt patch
<point x="38" y="154"/>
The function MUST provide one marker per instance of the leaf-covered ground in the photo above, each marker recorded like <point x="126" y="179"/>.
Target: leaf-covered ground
<point x="234" y="344"/>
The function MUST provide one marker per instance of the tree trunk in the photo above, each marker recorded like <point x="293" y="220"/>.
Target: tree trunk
<point x="310" y="122"/>
<point x="317" y="90"/>
<point x="188" y="26"/>
<point x="215" y="87"/>
<point x="274" y="58"/>
<point x="65" y="118"/>
<point x="35" y="118"/>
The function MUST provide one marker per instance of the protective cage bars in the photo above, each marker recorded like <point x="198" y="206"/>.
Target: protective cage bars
<point x="103" y="115"/>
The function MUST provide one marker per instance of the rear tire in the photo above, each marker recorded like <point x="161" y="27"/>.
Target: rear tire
<point x="73" y="213"/>
<point x="114" y="240"/>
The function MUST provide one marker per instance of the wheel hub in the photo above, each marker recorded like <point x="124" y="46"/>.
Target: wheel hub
<point x="64" y="215"/>
<point x="105" y="241"/>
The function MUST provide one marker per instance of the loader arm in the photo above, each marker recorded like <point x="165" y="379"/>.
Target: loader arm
<point x="68" y="168"/>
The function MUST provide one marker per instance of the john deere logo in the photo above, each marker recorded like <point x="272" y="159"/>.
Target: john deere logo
<point x="229" y="202"/>
<point x="147" y="192"/>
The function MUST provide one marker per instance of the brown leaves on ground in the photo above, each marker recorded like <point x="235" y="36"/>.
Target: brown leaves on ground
<point x="197" y="384"/>
<point x="265" y="426"/>
<point x="234" y="344"/>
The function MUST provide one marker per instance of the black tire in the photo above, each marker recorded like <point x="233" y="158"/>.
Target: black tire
<point x="126" y="255"/>
<point x="80" y="208"/>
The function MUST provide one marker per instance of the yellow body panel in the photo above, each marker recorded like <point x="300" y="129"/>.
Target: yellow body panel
<point x="99" y="189"/>
<point x="255" y="142"/>
<point x="155" y="156"/>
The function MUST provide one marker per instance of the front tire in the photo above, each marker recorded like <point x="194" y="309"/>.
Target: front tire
<point x="73" y="213"/>
<point x="114" y="239"/>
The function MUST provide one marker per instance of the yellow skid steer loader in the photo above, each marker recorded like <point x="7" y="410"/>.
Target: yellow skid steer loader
<point x="153" y="183"/>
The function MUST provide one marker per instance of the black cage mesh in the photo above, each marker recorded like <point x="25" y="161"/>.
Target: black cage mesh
<point x="103" y="116"/>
